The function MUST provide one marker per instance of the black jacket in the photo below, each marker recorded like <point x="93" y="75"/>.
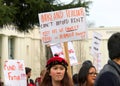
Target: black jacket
<point x="109" y="75"/>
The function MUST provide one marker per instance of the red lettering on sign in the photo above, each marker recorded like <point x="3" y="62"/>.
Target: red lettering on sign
<point x="10" y="77"/>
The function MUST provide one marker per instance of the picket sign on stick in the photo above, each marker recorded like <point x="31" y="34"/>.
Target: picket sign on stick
<point x="62" y="26"/>
<point x="66" y="54"/>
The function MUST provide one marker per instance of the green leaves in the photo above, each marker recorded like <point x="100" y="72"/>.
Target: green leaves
<point x="6" y="14"/>
<point x="24" y="13"/>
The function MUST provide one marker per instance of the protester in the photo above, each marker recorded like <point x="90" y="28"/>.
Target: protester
<point x="75" y="79"/>
<point x="56" y="74"/>
<point x="110" y="74"/>
<point x="39" y="79"/>
<point x="87" y="74"/>
<point x="30" y="82"/>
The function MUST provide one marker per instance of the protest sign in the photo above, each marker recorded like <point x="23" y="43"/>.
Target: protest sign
<point x="58" y="49"/>
<point x="96" y="40"/>
<point x="63" y="25"/>
<point x="14" y="72"/>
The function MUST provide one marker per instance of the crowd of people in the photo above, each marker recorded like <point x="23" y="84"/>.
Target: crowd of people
<point x="56" y="73"/>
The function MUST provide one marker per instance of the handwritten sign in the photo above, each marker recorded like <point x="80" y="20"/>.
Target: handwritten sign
<point x="14" y="72"/>
<point x="58" y="49"/>
<point x="63" y="25"/>
<point x="95" y="48"/>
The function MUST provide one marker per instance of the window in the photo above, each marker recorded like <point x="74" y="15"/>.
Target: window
<point x="10" y="48"/>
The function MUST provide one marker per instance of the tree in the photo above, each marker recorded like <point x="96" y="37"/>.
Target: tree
<point x="24" y="13"/>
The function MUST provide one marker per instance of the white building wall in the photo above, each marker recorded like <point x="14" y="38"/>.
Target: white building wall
<point x="26" y="46"/>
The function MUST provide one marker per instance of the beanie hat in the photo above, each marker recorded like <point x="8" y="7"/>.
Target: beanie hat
<point x="56" y="60"/>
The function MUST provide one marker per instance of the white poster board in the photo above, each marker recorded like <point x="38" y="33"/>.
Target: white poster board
<point x="97" y="62"/>
<point x="58" y="49"/>
<point x="14" y="72"/>
<point x="96" y="40"/>
<point x="63" y="25"/>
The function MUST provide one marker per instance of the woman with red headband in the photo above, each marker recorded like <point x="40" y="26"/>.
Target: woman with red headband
<point x="56" y="74"/>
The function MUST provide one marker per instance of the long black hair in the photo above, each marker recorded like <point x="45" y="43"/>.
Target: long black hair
<point x="83" y="72"/>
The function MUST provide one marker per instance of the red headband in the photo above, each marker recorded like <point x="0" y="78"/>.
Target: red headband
<point x="56" y="60"/>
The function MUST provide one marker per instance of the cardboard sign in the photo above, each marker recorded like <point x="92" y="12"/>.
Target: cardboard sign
<point x="63" y="25"/>
<point x="14" y="72"/>
<point x="58" y="49"/>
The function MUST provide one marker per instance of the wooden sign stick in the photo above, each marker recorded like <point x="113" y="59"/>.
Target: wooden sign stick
<point x="66" y="54"/>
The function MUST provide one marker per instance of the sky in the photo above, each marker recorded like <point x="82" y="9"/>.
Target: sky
<point x="104" y="13"/>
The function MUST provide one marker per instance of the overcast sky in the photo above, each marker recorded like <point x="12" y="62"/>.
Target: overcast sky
<point x="104" y="12"/>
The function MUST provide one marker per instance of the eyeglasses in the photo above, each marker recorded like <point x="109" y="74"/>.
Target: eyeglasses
<point x="93" y="74"/>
